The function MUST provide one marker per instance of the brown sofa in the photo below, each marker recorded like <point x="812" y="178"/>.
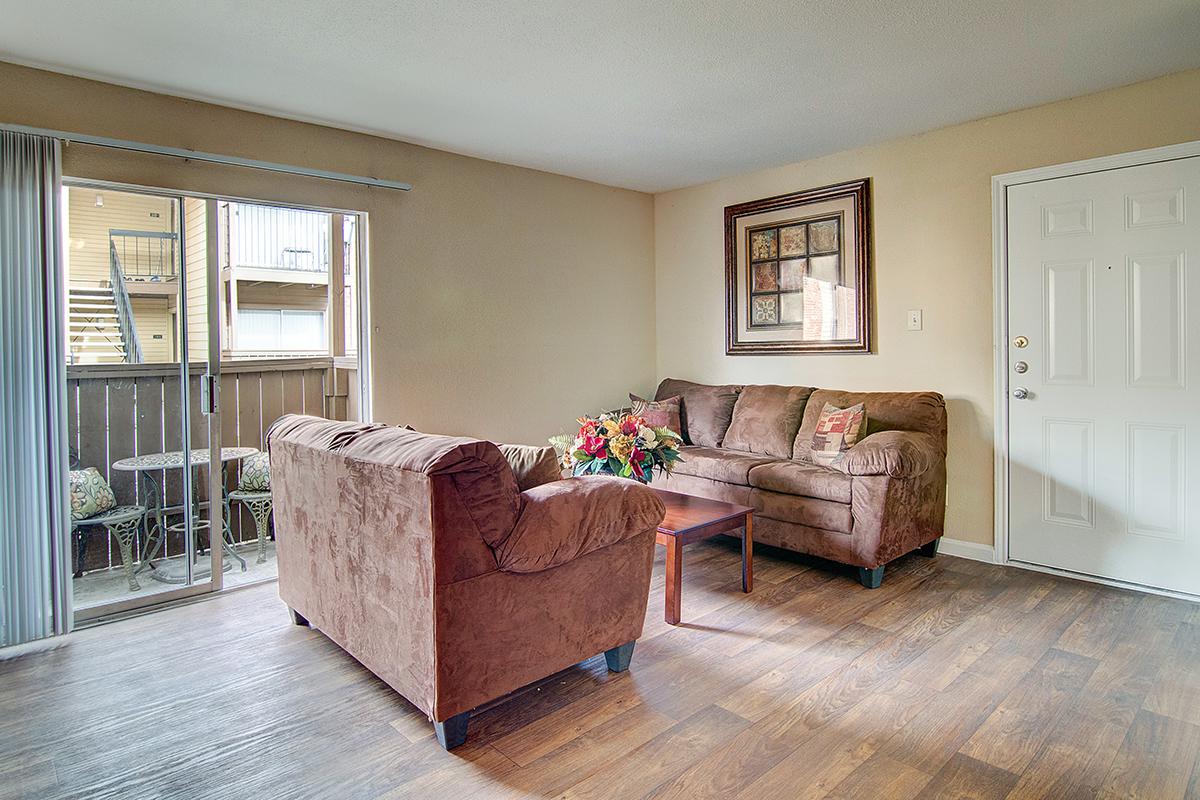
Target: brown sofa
<point x="884" y="498"/>
<point x="420" y="556"/>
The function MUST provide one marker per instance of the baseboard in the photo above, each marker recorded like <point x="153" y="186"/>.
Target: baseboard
<point x="972" y="550"/>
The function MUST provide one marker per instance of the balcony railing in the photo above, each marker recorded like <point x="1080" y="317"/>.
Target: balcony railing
<point x="144" y="255"/>
<point x="125" y="321"/>
<point x="120" y="410"/>
<point x="267" y="237"/>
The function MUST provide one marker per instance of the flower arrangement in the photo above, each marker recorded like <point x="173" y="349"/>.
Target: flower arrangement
<point x="621" y="444"/>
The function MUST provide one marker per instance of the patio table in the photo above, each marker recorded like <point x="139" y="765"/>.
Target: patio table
<point x="146" y="466"/>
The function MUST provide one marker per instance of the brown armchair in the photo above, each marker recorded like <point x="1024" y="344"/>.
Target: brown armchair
<point x="419" y="556"/>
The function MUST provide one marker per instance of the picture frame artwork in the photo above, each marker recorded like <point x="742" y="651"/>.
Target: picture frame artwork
<point x="798" y="272"/>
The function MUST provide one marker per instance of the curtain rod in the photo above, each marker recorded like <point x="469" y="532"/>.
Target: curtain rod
<point x="212" y="158"/>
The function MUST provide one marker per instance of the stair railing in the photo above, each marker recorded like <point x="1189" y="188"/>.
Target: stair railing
<point x="129" y="336"/>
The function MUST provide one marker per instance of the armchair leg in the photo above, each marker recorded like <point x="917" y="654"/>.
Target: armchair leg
<point x="930" y="550"/>
<point x="871" y="578"/>
<point x="618" y="658"/>
<point x="452" y="732"/>
<point x="298" y="618"/>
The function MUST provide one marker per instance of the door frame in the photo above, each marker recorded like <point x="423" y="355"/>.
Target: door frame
<point x="1000" y="333"/>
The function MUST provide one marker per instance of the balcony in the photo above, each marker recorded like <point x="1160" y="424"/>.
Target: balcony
<point x="117" y="411"/>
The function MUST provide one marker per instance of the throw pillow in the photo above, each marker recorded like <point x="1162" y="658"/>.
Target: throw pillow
<point x="838" y="429"/>
<point x="705" y="411"/>
<point x="531" y="466"/>
<point x="90" y="493"/>
<point x="658" y="413"/>
<point x="256" y="473"/>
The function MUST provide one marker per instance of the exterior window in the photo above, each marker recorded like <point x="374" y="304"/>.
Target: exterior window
<point x="281" y="330"/>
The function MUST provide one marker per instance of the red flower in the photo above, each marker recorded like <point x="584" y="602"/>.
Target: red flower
<point x="595" y="446"/>
<point x="629" y="426"/>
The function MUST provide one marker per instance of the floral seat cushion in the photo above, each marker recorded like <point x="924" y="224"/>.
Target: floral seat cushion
<point x="90" y="493"/>
<point x="256" y="473"/>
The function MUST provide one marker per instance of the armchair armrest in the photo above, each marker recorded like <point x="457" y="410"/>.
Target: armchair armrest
<point x="566" y="519"/>
<point x="899" y="454"/>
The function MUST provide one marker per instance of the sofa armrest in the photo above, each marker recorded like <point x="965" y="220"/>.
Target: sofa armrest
<point x="898" y="454"/>
<point x="566" y="519"/>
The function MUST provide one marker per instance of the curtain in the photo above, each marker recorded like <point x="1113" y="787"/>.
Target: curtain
<point x="34" y="520"/>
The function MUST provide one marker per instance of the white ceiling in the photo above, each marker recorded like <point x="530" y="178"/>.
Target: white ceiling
<point x="636" y="93"/>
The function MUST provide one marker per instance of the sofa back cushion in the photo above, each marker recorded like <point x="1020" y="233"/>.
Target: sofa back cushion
<point x="531" y="466"/>
<point x="705" y="412"/>
<point x="766" y="418"/>
<point x="481" y="477"/>
<point x="923" y="412"/>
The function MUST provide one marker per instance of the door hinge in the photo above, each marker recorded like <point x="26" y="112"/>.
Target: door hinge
<point x="210" y="394"/>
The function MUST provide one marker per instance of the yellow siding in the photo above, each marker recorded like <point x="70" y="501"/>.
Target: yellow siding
<point x="152" y="317"/>
<point x="196" y="256"/>
<point x="88" y="227"/>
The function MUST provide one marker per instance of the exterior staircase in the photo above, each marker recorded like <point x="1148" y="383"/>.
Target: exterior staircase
<point x="93" y="327"/>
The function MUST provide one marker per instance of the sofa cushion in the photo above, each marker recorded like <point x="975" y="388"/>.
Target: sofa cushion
<point x="531" y="466"/>
<point x="706" y="410"/>
<point x="804" y="480"/>
<point x="809" y="511"/>
<point x="923" y="412"/>
<point x="564" y="520"/>
<point x="727" y="466"/>
<point x="766" y="418"/>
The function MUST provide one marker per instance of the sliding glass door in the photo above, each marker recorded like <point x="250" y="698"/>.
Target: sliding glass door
<point x="142" y="324"/>
<point x="193" y="324"/>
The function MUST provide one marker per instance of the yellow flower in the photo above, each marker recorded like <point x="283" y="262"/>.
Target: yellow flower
<point x="621" y="446"/>
<point x="611" y="427"/>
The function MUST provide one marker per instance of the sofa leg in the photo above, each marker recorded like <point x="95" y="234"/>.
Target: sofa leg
<point x="452" y="732"/>
<point x="930" y="550"/>
<point x="618" y="657"/>
<point x="871" y="578"/>
<point x="297" y="617"/>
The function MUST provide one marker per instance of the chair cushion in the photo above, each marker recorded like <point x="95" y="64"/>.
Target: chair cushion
<point x="716" y="464"/>
<point x="766" y="418"/>
<point x="803" y="480"/>
<point x="90" y="493"/>
<point x="531" y="466"/>
<point x="256" y="473"/>
<point x="706" y="410"/>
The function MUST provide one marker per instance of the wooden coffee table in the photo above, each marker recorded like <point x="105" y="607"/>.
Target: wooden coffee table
<point x="690" y="519"/>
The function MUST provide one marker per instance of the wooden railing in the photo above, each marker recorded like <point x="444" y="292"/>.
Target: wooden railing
<point x="120" y="410"/>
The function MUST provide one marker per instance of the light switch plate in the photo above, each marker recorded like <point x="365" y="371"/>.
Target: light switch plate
<point x="914" y="319"/>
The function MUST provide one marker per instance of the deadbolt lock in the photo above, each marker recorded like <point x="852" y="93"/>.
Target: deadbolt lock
<point x="1020" y="342"/>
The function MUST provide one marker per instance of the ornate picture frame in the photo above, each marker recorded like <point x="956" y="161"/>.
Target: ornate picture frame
<point x="798" y="272"/>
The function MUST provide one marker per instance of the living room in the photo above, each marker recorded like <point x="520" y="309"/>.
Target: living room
<point x="854" y="492"/>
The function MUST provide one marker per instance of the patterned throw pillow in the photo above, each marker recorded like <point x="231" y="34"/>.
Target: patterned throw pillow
<point x="256" y="473"/>
<point x="838" y="429"/>
<point x="90" y="493"/>
<point x="658" y="413"/>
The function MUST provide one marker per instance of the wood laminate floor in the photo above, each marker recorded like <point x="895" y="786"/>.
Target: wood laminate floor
<point x="955" y="679"/>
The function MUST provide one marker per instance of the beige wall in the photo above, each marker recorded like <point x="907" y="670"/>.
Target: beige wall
<point x="933" y="250"/>
<point x="504" y="301"/>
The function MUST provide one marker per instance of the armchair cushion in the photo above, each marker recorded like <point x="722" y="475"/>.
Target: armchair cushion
<point x="899" y="454"/>
<point x="563" y="520"/>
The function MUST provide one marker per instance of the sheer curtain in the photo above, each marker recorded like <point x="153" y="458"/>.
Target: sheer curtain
<point x="34" y="521"/>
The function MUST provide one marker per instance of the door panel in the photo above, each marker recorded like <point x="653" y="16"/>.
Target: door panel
<point x="1105" y="444"/>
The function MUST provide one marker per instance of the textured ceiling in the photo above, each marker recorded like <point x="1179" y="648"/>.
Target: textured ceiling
<point x="646" y="95"/>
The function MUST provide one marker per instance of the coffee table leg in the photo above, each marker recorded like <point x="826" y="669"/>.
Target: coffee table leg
<point x="748" y="555"/>
<point x="674" y="579"/>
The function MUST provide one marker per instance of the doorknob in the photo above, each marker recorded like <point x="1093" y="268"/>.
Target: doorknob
<point x="1020" y="393"/>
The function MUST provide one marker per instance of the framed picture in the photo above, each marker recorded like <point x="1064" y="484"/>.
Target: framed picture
<point x="798" y="272"/>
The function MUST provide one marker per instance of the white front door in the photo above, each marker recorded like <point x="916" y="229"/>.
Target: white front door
<point x="1104" y="399"/>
